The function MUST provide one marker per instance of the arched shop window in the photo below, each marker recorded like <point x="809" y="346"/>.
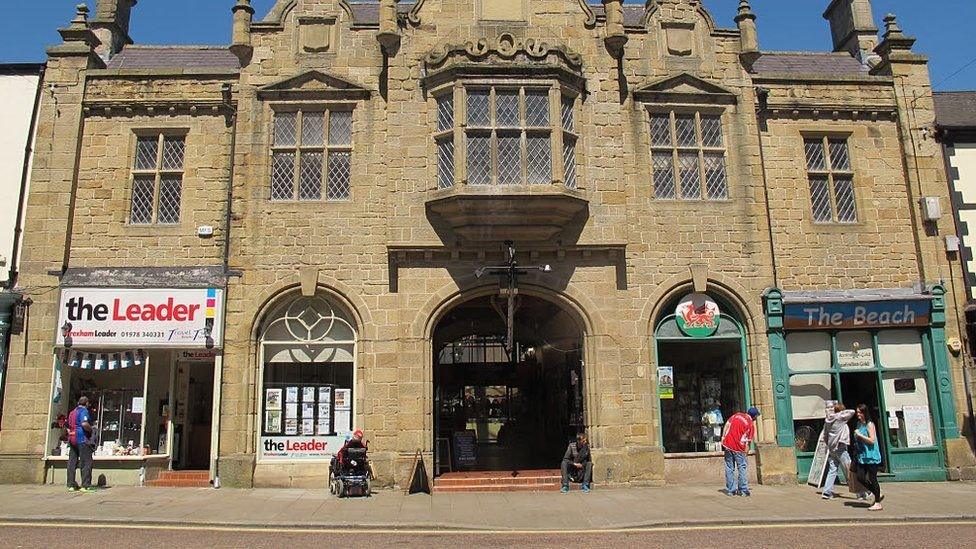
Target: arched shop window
<point x="308" y="349"/>
<point x="702" y="376"/>
<point x="884" y="369"/>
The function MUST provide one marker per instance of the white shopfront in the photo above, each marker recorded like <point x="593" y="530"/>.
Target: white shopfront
<point x="148" y="359"/>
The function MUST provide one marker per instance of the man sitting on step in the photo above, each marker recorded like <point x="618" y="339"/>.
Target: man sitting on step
<point x="577" y="464"/>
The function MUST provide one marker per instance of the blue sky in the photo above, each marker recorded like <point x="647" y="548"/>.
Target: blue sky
<point x="943" y="27"/>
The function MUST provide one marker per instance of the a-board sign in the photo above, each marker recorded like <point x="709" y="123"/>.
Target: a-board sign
<point x="465" y="448"/>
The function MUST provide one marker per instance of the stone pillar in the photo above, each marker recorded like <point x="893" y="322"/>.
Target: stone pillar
<point x="241" y="34"/>
<point x="748" y="36"/>
<point x="111" y="26"/>
<point x="852" y="28"/>
<point x="48" y="214"/>
<point x="389" y="33"/>
<point x="615" y="38"/>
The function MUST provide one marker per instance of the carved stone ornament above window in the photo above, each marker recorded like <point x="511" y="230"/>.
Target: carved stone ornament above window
<point x="313" y="86"/>
<point x="505" y="55"/>
<point x="684" y="88"/>
<point x="318" y="34"/>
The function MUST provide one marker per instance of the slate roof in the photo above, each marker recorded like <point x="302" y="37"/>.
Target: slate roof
<point x="175" y="57"/>
<point x="808" y="63"/>
<point x="955" y="109"/>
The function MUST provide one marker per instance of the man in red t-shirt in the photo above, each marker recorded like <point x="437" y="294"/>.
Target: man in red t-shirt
<point x="740" y="431"/>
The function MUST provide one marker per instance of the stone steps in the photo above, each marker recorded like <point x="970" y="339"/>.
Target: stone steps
<point x="499" y="481"/>
<point x="182" y="479"/>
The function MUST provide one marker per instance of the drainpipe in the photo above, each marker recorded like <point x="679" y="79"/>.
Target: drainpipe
<point x="762" y="95"/>
<point x="227" y="95"/>
<point x="24" y="179"/>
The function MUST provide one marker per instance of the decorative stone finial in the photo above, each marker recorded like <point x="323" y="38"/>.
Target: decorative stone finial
<point x="241" y="34"/>
<point x="389" y="34"/>
<point x="748" y="35"/>
<point x="616" y="37"/>
<point x="81" y="16"/>
<point x="891" y="26"/>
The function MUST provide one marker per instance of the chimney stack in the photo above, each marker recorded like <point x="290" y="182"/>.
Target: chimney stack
<point x="111" y="26"/>
<point x="852" y="28"/>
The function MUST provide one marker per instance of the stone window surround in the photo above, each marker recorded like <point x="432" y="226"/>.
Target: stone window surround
<point x="559" y="92"/>
<point x="309" y="106"/>
<point x="827" y="137"/>
<point x="161" y="134"/>
<point x="673" y="110"/>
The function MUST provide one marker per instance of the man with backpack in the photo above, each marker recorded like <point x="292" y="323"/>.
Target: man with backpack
<point x="79" y="446"/>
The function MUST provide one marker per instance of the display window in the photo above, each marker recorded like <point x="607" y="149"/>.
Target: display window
<point x="883" y="369"/>
<point x="129" y="401"/>
<point x="308" y="379"/>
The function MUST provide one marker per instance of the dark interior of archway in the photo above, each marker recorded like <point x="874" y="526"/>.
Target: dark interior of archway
<point x="497" y="411"/>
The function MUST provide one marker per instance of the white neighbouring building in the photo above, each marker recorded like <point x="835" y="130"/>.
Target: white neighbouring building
<point x="956" y="119"/>
<point x="19" y="95"/>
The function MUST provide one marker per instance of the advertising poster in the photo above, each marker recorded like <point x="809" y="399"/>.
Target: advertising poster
<point x="665" y="382"/>
<point x="272" y="421"/>
<point x="272" y="399"/>
<point x="308" y="394"/>
<point x="292" y="394"/>
<point x="311" y="448"/>
<point x="135" y="317"/>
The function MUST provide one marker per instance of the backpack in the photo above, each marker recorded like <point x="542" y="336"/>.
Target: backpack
<point x="73" y="427"/>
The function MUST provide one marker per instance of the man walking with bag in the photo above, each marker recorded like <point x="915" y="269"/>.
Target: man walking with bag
<point x="79" y="446"/>
<point x="740" y="431"/>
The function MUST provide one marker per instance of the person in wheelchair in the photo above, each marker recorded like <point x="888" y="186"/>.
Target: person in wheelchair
<point x="349" y="472"/>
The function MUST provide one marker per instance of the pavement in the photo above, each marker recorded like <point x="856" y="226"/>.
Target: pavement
<point x="602" y="509"/>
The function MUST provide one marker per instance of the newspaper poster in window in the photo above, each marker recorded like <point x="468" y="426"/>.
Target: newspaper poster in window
<point x="308" y="426"/>
<point x="324" y="419"/>
<point x="308" y="410"/>
<point x="918" y="426"/>
<point x="291" y="410"/>
<point x="308" y="394"/>
<point x="343" y="400"/>
<point x="272" y="421"/>
<point x="343" y="421"/>
<point x="291" y="426"/>
<point x="292" y="394"/>
<point x="272" y="399"/>
<point x="325" y="395"/>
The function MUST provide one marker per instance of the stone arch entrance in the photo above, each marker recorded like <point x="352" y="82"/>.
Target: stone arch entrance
<point x="496" y="410"/>
<point x="702" y="357"/>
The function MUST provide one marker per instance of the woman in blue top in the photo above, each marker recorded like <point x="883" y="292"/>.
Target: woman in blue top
<point x="869" y="454"/>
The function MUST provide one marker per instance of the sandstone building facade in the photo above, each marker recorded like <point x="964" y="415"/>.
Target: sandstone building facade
<point x="247" y="252"/>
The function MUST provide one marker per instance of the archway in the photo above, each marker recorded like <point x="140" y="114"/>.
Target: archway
<point x="501" y="411"/>
<point x="702" y="373"/>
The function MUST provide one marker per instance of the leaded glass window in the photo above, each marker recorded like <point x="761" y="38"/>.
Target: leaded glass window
<point x="311" y="155"/>
<point x="688" y="156"/>
<point x="157" y="179"/>
<point x="831" y="180"/>
<point x="508" y="137"/>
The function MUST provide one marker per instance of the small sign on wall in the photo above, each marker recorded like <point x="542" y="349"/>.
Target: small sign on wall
<point x="665" y="382"/>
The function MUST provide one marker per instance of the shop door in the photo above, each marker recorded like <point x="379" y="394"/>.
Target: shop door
<point x="862" y="388"/>
<point x="195" y="429"/>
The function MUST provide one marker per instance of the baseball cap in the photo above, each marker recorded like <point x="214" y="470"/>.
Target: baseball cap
<point x="754" y="412"/>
